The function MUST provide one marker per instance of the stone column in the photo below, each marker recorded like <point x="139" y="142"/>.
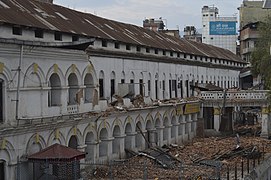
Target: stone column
<point x="176" y="135"/>
<point x="121" y="144"/>
<point x="91" y="150"/>
<point x="265" y="122"/>
<point x="160" y="135"/>
<point x="216" y="118"/>
<point x="109" y="145"/>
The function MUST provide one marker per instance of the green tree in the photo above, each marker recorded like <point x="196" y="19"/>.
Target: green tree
<point x="260" y="57"/>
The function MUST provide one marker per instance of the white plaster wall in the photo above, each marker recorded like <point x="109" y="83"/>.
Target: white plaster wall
<point x="118" y="65"/>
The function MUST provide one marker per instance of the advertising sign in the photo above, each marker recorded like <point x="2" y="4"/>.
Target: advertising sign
<point x="222" y="28"/>
<point x="192" y="108"/>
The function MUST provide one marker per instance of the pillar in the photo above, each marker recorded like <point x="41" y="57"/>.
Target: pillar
<point x="160" y="135"/>
<point x="265" y="122"/>
<point x="91" y="150"/>
<point x="216" y="118"/>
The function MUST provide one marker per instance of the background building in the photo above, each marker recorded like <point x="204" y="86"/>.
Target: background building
<point x="251" y="14"/>
<point x="190" y="33"/>
<point x="217" y="30"/>
<point x="154" y="24"/>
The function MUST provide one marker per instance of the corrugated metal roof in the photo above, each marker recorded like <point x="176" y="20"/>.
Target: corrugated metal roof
<point x="48" y="16"/>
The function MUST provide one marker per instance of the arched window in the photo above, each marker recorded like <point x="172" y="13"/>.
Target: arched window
<point x="54" y="96"/>
<point x="88" y="83"/>
<point x="73" y="89"/>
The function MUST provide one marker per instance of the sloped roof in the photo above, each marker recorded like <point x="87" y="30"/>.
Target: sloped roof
<point x="57" y="152"/>
<point x="36" y="14"/>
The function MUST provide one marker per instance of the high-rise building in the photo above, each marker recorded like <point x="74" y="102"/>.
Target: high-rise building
<point x="218" y="30"/>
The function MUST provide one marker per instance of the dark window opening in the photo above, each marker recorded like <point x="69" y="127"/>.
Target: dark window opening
<point x="2" y="170"/>
<point x="196" y="58"/>
<point x="104" y="43"/>
<point x="122" y="81"/>
<point x="1" y="102"/>
<point x="75" y="38"/>
<point x="156" y="51"/>
<point x="147" y="50"/>
<point x="128" y="47"/>
<point x="58" y="36"/>
<point x="178" y="55"/>
<point x="191" y="56"/>
<point x="17" y="30"/>
<point x="184" y="55"/>
<point x="164" y="88"/>
<point x="101" y="87"/>
<point x="171" y="53"/>
<point x="187" y="88"/>
<point x="156" y="89"/>
<point x="138" y="49"/>
<point x="201" y="58"/>
<point x="149" y="87"/>
<point x="174" y="87"/>
<point x="112" y="87"/>
<point x="170" y="89"/>
<point x="131" y="81"/>
<point x="181" y="86"/>
<point x="164" y="52"/>
<point x="141" y="88"/>
<point x="39" y="33"/>
<point x="117" y="45"/>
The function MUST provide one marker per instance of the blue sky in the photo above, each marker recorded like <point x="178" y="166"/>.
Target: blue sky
<point x="177" y="13"/>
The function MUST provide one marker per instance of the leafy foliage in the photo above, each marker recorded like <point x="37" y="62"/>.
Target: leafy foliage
<point x="260" y="57"/>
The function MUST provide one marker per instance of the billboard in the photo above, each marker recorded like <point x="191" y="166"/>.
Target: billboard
<point x="222" y="28"/>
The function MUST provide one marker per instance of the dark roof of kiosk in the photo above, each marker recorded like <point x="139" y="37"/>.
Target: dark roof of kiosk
<point x="57" y="152"/>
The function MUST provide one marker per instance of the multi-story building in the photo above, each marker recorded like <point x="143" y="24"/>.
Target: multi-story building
<point x="190" y="33"/>
<point x="253" y="11"/>
<point x="251" y="14"/>
<point x="60" y="69"/>
<point x="154" y="24"/>
<point x="218" y="30"/>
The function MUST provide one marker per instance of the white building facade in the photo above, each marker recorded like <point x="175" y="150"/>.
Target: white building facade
<point x="218" y="30"/>
<point x="57" y="80"/>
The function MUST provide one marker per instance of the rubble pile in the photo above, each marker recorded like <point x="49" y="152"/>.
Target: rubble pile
<point x="203" y="157"/>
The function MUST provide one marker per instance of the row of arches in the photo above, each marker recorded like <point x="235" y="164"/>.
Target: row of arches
<point x="161" y="86"/>
<point x="111" y="136"/>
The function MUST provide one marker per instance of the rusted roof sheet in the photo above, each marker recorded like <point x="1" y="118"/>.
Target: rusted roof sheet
<point x="48" y="16"/>
<point x="57" y="152"/>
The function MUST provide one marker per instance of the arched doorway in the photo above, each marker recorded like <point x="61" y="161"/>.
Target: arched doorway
<point x="166" y="130"/>
<point x="73" y="142"/>
<point x="128" y="137"/>
<point x="90" y="149"/>
<point x="139" y="139"/>
<point x="103" y="145"/>
<point x="116" y="141"/>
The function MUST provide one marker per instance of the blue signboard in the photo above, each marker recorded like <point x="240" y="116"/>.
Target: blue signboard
<point x="222" y="28"/>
